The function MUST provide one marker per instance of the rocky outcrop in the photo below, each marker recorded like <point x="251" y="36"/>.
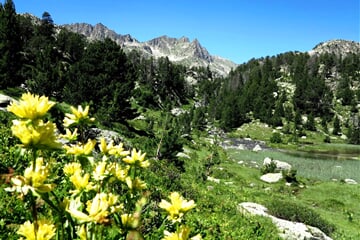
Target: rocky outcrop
<point x="337" y="47"/>
<point x="287" y="230"/>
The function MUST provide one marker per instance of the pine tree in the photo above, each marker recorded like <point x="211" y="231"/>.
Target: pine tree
<point x="10" y="46"/>
<point x="337" y="128"/>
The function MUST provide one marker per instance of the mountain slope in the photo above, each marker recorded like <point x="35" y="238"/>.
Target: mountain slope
<point x="179" y="50"/>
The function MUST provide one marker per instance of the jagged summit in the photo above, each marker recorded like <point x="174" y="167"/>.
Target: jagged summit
<point x="99" y="32"/>
<point x="180" y="50"/>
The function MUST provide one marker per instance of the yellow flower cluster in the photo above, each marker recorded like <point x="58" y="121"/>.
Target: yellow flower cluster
<point x="78" y="116"/>
<point x="32" y="131"/>
<point x="31" y="106"/>
<point x="78" y="178"/>
<point x="35" y="134"/>
<point x="137" y="158"/>
<point x="98" y="209"/>
<point x="110" y="149"/>
<point x="90" y="202"/>
<point x="81" y="149"/>
<point x="34" y="179"/>
<point x="177" y="206"/>
<point x="182" y="234"/>
<point x="42" y="230"/>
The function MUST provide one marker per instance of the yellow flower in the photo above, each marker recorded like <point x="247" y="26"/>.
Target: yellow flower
<point x="100" y="171"/>
<point x="82" y="233"/>
<point x="78" y="116"/>
<point x="31" y="106"/>
<point x="34" y="179"/>
<point x="97" y="209"/>
<point x="70" y="136"/>
<point x="118" y="171"/>
<point x="105" y="148"/>
<point x="136" y="158"/>
<point x="81" y="149"/>
<point x="35" y="134"/>
<point x="71" y="168"/>
<point x="136" y="184"/>
<point x="81" y="182"/>
<point x="177" y="207"/>
<point x="118" y="150"/>
<point x="130" y="221"/>
<point x="45" y="230"/>
<point x="182" y="234"/>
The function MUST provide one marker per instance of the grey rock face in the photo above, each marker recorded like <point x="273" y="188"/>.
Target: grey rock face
<point x="179" y="50"/>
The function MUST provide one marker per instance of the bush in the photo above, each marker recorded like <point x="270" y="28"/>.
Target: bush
<point x="269" y="168"/>
<point x="276" y="138"/>
<point x="298" y="213"/>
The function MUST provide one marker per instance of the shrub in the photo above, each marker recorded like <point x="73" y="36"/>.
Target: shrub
<point x="276" y="138"/>
<point x="295" y="212"/>
<point x="268" y="168"/>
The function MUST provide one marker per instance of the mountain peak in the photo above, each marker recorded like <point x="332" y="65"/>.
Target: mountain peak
<point x="179" y="50"/>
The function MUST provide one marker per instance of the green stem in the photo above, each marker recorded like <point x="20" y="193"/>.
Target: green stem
<point x="33" y="199"/>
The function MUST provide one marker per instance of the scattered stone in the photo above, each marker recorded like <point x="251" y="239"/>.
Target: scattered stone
<point x="350" y="181"/>
<point x="288" y="230"/>
<point x="343" y="136"/>
<point x="271" y="177"/>
<point x="182" y="155"/>
<point x="211" y="179"/>
<point x="257" y="148"/>
<point x="210" y="188"/>
<point x="252" y="185"/>
<point x="240" y="162"/>
<point x="241" y="147"/>
<point x="228" y="183"/>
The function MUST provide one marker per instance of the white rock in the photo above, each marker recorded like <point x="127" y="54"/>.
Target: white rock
<point x="241" y="147"/>
<point x="182" y="155"/>
<point x="267" y="161"/>
<point x="343" y="136"/>
<point x="350" y="181"/>
<point x="280" y="165"/>
<point x="288" y="230"/>
<point x="240" y="162"/>
<point x="257" y="148"/>
<point x="271" y="177"/>
<point x="211" y="179"/>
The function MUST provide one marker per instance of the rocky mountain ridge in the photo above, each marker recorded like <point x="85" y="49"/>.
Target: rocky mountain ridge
<point x="179" y="50"/>
<point x="337" y="46"/>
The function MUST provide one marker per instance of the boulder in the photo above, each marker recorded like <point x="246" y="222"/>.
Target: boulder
<point x="280" y="165"/>
<point x="257" y="148"/>
<point x="350" y="181"/>
<point x="288" y="230"/>
<point x="271" y="177"/>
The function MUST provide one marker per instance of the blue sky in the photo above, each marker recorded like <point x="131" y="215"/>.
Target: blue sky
<point x="235" y="29"/>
